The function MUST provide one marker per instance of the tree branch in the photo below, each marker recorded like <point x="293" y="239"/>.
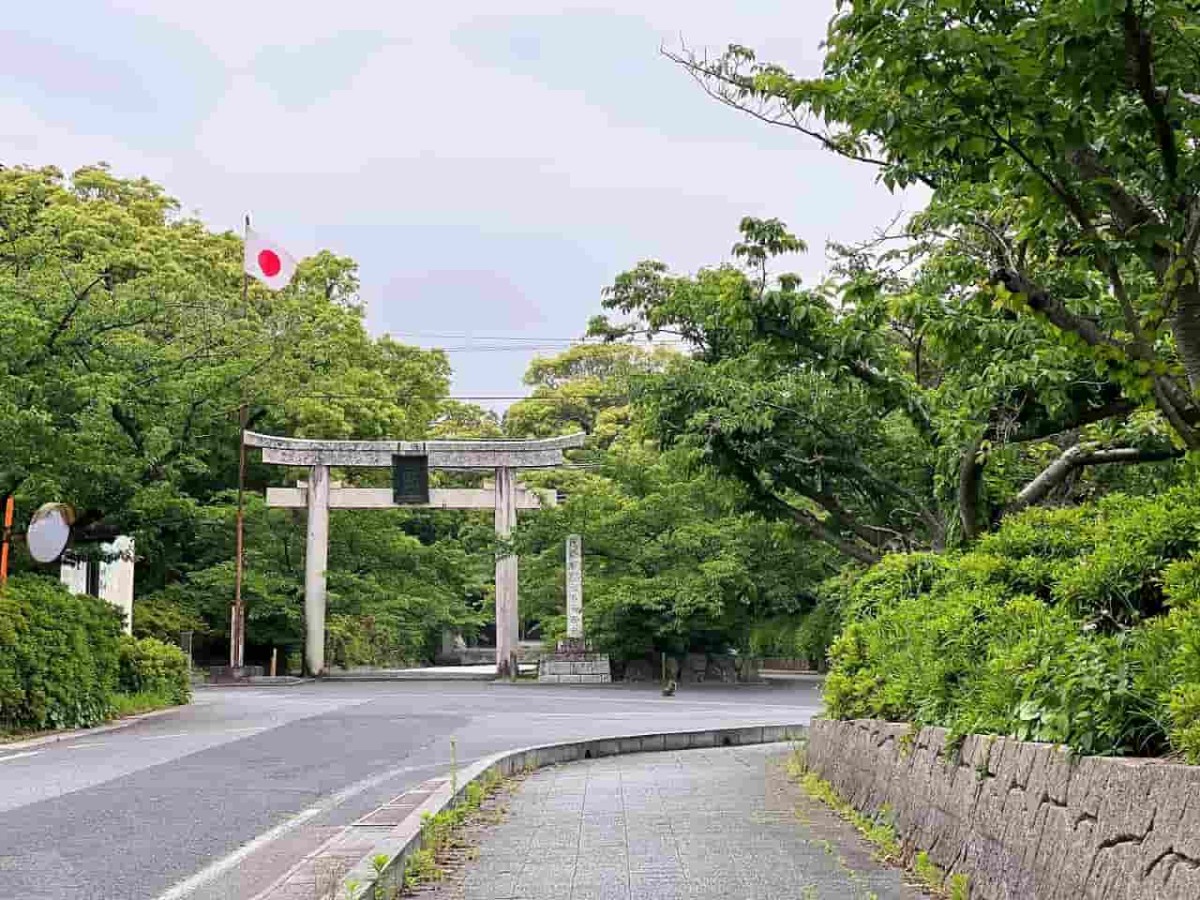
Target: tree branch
<point x="1139" y="59"/>
<point x="1078" y="456"/>
<point x="128" y="425"/>
<point x="733" y="87"/>
<point x="1055" y="311"/>
<point x="1114" y="409"/>
<point x="1128" y="211"/>
<point x="780" y="507"/>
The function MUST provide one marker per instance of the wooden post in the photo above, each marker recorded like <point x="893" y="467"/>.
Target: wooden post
<point x="315" y="562"/>
<point x="274" y="658"/>
<point x="7" y="536"/>
<point x="506" y="579"/>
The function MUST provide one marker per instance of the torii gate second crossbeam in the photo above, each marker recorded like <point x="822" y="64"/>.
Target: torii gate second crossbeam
<point x="500" y="456"/>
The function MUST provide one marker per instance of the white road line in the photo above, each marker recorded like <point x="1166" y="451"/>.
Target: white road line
<point x="19" y="755"/>
<point x="81" y="745"/>
<point x="216" y="869"/>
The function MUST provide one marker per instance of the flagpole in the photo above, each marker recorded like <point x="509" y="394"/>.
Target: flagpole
<point x="237" y="624"/>
<point x="237" y="631"/>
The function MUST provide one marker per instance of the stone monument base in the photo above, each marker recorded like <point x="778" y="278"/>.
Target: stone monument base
<point x="573" y="663"/>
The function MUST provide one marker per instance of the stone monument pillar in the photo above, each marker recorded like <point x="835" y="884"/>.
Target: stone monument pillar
<point x="573" y="662"/>
<point x="574" y="588"/>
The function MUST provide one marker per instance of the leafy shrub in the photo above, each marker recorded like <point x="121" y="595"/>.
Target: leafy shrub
<point x="58" y="656"/>
<point x="1079" y="627"/>
<point x="819" y="628"/>
<point x="162" y="616"/>
<point x="149" y="666"/>
<point x="773" y="638"/>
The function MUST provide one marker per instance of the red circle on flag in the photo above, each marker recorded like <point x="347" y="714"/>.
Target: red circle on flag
<point x="268" y="261"/>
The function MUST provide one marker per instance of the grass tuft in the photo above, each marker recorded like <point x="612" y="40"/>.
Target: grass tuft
<point x="879" y="832"/>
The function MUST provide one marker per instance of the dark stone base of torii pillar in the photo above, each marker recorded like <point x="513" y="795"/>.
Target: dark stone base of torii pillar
<point x="574" y="663"/>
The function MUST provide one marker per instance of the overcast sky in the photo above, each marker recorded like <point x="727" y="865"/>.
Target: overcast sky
<point x="491" y="166"/>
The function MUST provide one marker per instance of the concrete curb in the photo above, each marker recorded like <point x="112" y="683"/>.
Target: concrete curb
<point x="264" y="682"/>
<point x="409" y="676"/>
<point x="394" y="830"/>
<point x="88" y="732"/>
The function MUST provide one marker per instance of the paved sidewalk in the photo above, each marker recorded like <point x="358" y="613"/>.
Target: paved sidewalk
<point x="695" y="824"/>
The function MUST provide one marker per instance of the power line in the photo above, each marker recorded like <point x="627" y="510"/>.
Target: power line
<point x="499" y="343"/>
<point x="473" y="335"/>
<point x="502" y="348"/>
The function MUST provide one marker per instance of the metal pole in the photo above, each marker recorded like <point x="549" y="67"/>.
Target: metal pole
<point x="237" y="615"/>
<point x="8" y="520"/>
<point x="237" y="626"/>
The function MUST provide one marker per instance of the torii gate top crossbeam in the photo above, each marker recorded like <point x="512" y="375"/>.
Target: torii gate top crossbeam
<point x="471" y="454"/>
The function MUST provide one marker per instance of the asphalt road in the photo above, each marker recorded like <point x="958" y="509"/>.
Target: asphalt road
<point x="217" y="799"/>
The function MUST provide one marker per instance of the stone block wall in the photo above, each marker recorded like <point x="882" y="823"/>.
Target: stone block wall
<point x="1023" y="821"/>
<point x="695" y="668"/>
<point x="574" y="668"/>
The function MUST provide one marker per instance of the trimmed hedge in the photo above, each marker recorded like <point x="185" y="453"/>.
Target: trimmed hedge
<point x="1072" y="626"/>
<point x="58" y="655"/>
<point x="149" y="666"/>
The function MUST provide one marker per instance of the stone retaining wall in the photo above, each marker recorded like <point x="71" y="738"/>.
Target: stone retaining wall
<point x="1022" y="820"/>
<point x="574" y="668"/>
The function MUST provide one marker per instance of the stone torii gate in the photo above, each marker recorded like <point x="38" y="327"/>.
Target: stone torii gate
<point x="410" y="462"/>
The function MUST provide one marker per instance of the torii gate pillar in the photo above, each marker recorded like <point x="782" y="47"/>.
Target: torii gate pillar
<point x="507" y="622"/>
<point x="316" y="557"/>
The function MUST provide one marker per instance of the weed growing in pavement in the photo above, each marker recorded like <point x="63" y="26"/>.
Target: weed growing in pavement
<point x="927" y="870"/>
<point x="382" y="891"/>
<point x="439" y="832"/>
<point x="797" y="762"/>
<point x="879" y="832"/>
<point x="420" y="867"/>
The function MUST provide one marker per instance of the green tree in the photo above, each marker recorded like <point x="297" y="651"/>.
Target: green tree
<point x="585" y="388"/>
<point x="676" y="558"/>
<point x="1060" y="136"/>
<point x="130" y="351"/>
<point x="809" y="406"/>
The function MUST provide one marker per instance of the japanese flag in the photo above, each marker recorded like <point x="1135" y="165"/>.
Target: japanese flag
<point x="267" y="261"/>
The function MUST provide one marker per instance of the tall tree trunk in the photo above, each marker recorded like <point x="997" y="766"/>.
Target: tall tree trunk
<point x="970" y="478"/>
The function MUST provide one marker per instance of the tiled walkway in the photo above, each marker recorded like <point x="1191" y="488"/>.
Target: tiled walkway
<point x="693" y="824"/>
